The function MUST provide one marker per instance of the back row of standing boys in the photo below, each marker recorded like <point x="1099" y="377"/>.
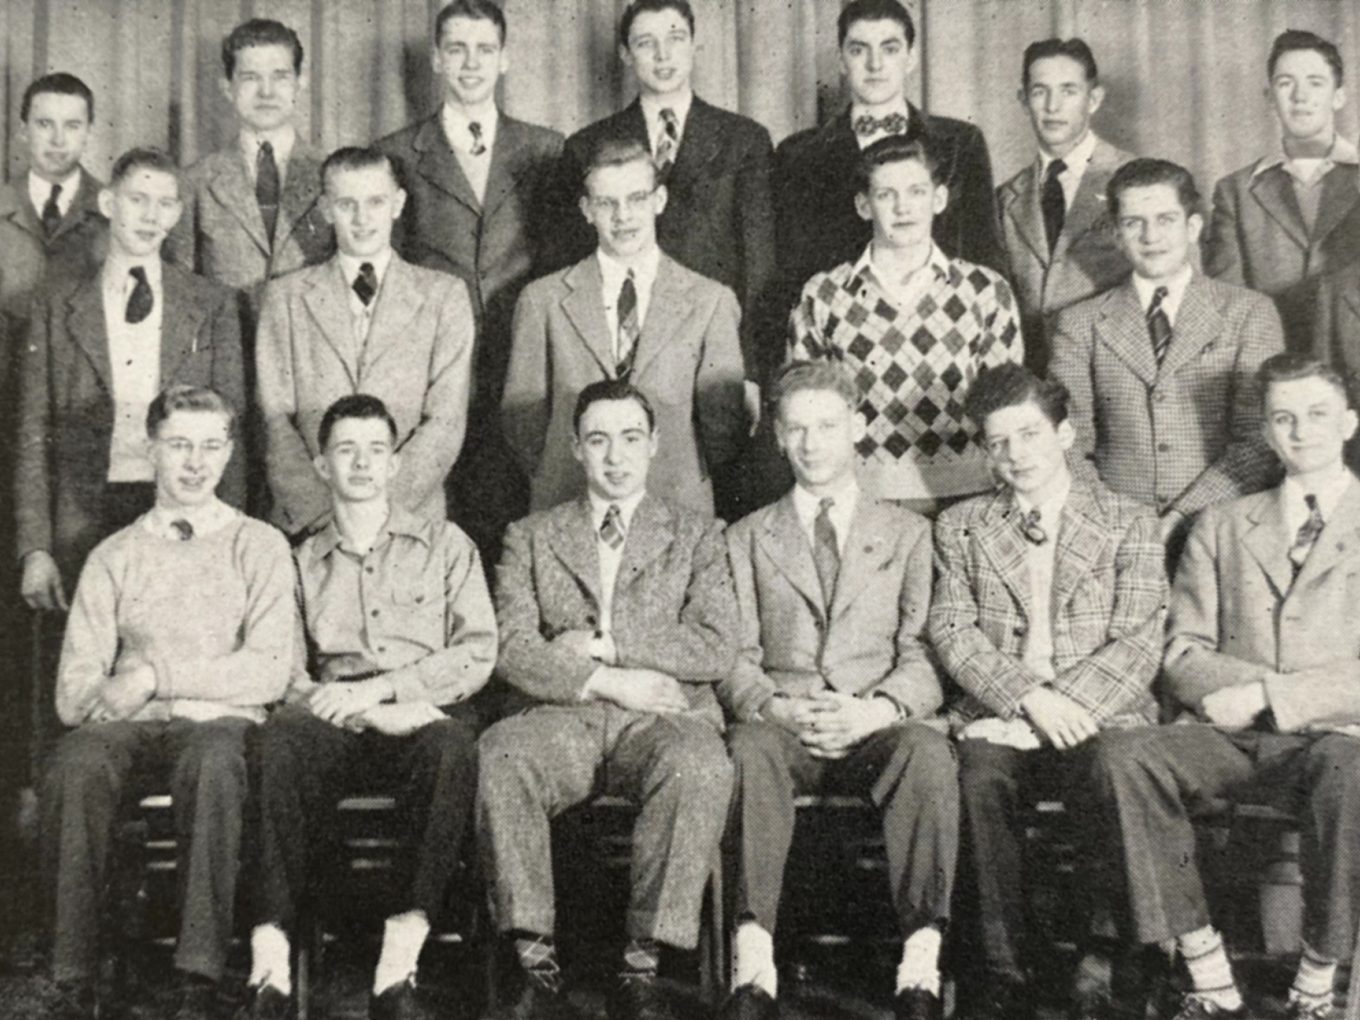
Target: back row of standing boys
<point x="385" y="297"/>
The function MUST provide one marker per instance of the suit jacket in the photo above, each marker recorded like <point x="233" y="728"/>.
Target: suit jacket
<point x="1107" y="613"/>
<point x="1086" y="260"/>
<point x="814" y="199"/>
<point x="1238" y="614"/>
<point x="870" y="640"/>
<point x="416" y="359"/>
<point x="66" y="402"/>
<point x="495" y="249"/>
<point x="1336" y="336"/>
<point x="673" y="607"/>
<point x="718" y="219"/>
<point x="688" y="362"/>
<point x="1183" y="434"/>
<point x="222" y="236"/>
<point x="1258" y="238"/>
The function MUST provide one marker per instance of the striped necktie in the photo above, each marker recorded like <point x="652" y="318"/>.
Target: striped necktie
<point x="1158" y="324"/>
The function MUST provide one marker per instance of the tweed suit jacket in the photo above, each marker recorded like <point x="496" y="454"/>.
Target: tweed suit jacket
<point x="1336" y="335"/>
<point x="869" y="641"/>
<point x="1258" y="238"/>
<point x="1239" y="615"/>
<point x="1086" y="260"/>
<point x="687" y="361"/>
<point x="222" y="235"/>
<point x="718" y="220"/>
<point x="66" y="410"/>
<point x="674" y="609"/>
<point x="416" y="359"/>
<point x="1107" y="613"/>
<point x="1183" y="434"/>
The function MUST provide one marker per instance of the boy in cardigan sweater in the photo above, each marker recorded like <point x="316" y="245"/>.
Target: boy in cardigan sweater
<point x="180" y="634"/>
<point x="914" y="327"/>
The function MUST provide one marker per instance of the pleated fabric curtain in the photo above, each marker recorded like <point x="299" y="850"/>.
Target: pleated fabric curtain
<point x="1185" y="77"/>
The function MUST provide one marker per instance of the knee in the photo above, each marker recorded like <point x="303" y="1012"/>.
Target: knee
<point x="505" y="761"/>
<point x="929" y="757"/>
<point x="216" y="762"/>
<point x="448" y="747"/>
<point x="698" y="762"/>
<point x="984" y="770"/>
<point x="1120" y="758"/>
<point x="755" y="743"/>
<point x="81" y="761"/>
<point x="1334" y="767"/>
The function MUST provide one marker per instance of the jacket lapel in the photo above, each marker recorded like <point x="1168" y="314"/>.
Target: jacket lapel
<point x="649" y="535"/>
<point x="1198" y="324"/>
<point x="436" y="162"/>
<point x="864" y="547"/>
<point x="785" y="543"/>
<point x="1024" y="210"/>
<point x="1088" y="205"/>
<point x="1340" y="537"/>
<point x="584" y="307"/>
<point x="86" y="326"/>
<point x="573" y="541"/>
<point x="1081" y="539"/>
<point x="1121" y="328"/>
<point x="231" y="186"/>
<point x="397" y="304"/>
<point x="500" y="178"/>
<point x="1339" y="197"/>
<point x="1001" y="542"/>
<point x="665" y="312"/>
<point x="698" y="145"/>
<point x="327" y="299"/>
<point x="1275" y="194"/>
<point x="19" y="210"/>
<point x="1267" y="541"/>
<point x="86" y="205"/>
<point x="301" y="186"/>
<point x="181" y="319"/>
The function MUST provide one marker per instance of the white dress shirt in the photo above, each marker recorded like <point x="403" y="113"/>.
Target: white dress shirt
<point x="610" y="558"/>
<point x="361" y="313"/>
<point x="651" y="113"/>
<point x="1039" y="561"/>
<point x="476" y="169"/>
<point x="905" y="291"/>
<point x="613" y="273"/>
<point x="842" y="512"/>
<point x="282" y="139"/>
<point x="134" y="365"/>
<point x="1328" y="491"/>
<point x="1075" y="161"/>
<point x="39" y="190"/>
<point x="1175" y="292"/>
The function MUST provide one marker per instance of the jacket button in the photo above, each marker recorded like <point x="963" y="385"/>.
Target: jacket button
<point x="1019" y="631"/>
<point x="1163" y="447"/>
<point x="590" y="619"/>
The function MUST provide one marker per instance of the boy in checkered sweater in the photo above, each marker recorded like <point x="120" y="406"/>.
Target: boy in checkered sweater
<point x="914" y="327"/>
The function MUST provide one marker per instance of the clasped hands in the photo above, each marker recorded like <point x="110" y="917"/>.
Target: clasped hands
<point x="363" y="705"/>
<point x="831" y="724"/>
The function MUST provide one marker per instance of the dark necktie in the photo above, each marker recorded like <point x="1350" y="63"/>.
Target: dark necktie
<point x="140" y="299"/>
<point x="628" y="326"/>
<point x="826" y="551"/>
<point x="1158" y="324"/>
<point x="611" y="528"/>
<point x="1053" y="203"/>
<point x="892" y="124"/>
<point x="183" y="529"/>
<point x="1307" y="535"/>
<point x="669" y="142"/>
<point x="51" y="212"/>
<point x="478" y="146"/>
<point x="366" y="283"/>
<point x="1033" y="528"/>
<point x="267" y="188"/>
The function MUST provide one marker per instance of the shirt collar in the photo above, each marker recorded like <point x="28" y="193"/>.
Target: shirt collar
<point x="1050" y="509"/>
<point x="1329" y="489"/>
<point x="117" y="267"/>
<point x="653" y="105"/>
<point x="627" y="507"/>
<point x="613" y="271"/>
<point x="455" y="120"/>
<point x="400" y="521"/>
<point x="281" y="138"/>
<point x="936" y="260"/>
<point x="39" y="188"/>
<point x="1074" y="160"/>
<point x="206" y="519"/>
<point x="807" y="505"/>
<point x="857" y="110"/>
<point x="1175" y="290"/>
<point x="349" y="265"/>
<point x="1343" y="151"/>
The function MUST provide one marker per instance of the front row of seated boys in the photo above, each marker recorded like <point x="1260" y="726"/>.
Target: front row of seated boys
<point x="627" y="629"/>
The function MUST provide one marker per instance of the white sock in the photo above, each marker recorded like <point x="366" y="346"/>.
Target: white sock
<point x="403" y="938"/>
<point x="920" y="966"/>
<point x="1316" y="976"/>
<point x="753" y="959"/>
<point x="270" y="958"/>
<point x="1210" y="972"/>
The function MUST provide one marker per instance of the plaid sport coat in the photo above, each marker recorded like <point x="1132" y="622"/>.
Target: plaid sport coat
<point x="1108" y="605"/>
<point x="1182" y="434"/>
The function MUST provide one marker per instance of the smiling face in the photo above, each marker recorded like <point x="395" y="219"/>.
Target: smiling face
<point x="902" y="203"/>
<point x="876" y="59"/>
<point x="362" y="204"/>
<point x="264" y="86"/>
<point x="1027" y="451"/>
<point x="189" y="453"/>
<point x="622" y="203"/>
<point x="359" y="460"/>
<point x="1155" y="231"/>
<point x="141" y="208"/>
<point x="615" y="445"/>
<point x="1060" y="102"/>
<point x="1307" y="424"/>
<point x="57" y="129"/>
<point x="660" y="51"/>
<point x="470" y="59"/>
<point x="816" y="429"/>
<point x="1306" y="95"/>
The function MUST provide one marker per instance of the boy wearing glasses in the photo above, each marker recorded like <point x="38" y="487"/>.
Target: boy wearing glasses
<point x="629" y="312"/>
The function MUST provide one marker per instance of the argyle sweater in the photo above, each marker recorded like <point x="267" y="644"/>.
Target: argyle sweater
<point x="913" y="367"/>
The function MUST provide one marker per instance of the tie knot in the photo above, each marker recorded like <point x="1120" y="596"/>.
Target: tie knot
<point x="183" y="529"/>
<point x="366" y="283"/>
<point x="138" y="274"/>
<point x="1158" y="296"/>
<point x="267" y="149"/>
<point x="1032" y="526"/>
<point x="475" y="128"/>
<point x="611" y="528"/>
<point x="1311" y="501"/>
<point x="56" y="192"/>
<point x="825" y="504"/>
<point x="669" y="118"/>
<point x="1054" y="169"/>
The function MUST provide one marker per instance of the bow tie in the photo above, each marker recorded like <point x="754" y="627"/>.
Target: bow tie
<point x="893" y="124"/>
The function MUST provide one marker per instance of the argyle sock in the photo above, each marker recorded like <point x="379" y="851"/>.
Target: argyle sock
<point x="270" y="958"/>
<point x="1210" y="973"/>
<point x="753" y="959"/>
<point x="538" y="956"/>
<point x="920" y="966"/>
<point x="404" y="936"/>
<point x="641" y="958"/>
<point x="1313" y="984"/>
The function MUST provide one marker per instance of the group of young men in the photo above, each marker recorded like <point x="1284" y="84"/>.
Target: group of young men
<point x="473" y="318"/>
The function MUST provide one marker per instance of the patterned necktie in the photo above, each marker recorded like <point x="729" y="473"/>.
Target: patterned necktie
<point x="826" y="551"/>
<point x="668" y="144"/>
<point x="478" y="146"/>
<point x="892" y="124"/>
<point x="1308" y="534"/>
<point x="183" y="529"/>
<point x="51" y="212"/>
<point x="366" y="283"/>
<point x="611" y="528"/>
<point x="1053" y="203"/>
<point x="1159" y="326"/>
<point x="267" y="188"/>
<point x="140" y="299"/>
<point x="628" y="327"/>
<point x="1032" y="526"/>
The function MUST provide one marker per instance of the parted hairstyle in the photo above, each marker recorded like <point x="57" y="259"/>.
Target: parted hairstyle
<point x="259" y="32"/>
<point x="822" y="376"/>
<point x="610" y="389"/>
<point x="616" y="150"/>
<point x="874" y="10"/>
<point x="896" y="149"/>
<point x="355" y="405"/>
<point x="1290" y="365"/>
<point x="60" y="83"/>
<point x="143" y="158"/>
<point x="1010" y="385"/>
<point x="1144" y="172"/>
<point x="474" y="10"/>
<point x="637" y="7"/>
<point x="1074" y="49"/>
<point x="183" y="397"/>
<point x="1297" y="39"/>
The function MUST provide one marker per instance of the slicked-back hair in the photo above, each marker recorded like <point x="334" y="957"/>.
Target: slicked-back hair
<point x="610" y="389"/>
<point x="259" y="32"/>
<point x="874" y="10"/>
<point x="637" y="7"/>
<point x="474" y="10"/>
<point x="355" y="405"/>
<point x="182" y="397"/>
<point x="1143" y="173"/>
<point x="60" y="83"/>
<point x="1010" y="385"/>
<point x="355" y="157"/>
<point x="143" y="158"/>
<point x="1292" y="39"/>
<point x="1290" y="366"/>
<point x="819" y="376"/>
<point x="1074" y="49"/>
<point x="616" y="150"/>
<point x="895" y="149"/>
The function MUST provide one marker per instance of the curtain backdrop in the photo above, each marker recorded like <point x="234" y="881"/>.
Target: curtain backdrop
<point x="1184" y="77"/>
